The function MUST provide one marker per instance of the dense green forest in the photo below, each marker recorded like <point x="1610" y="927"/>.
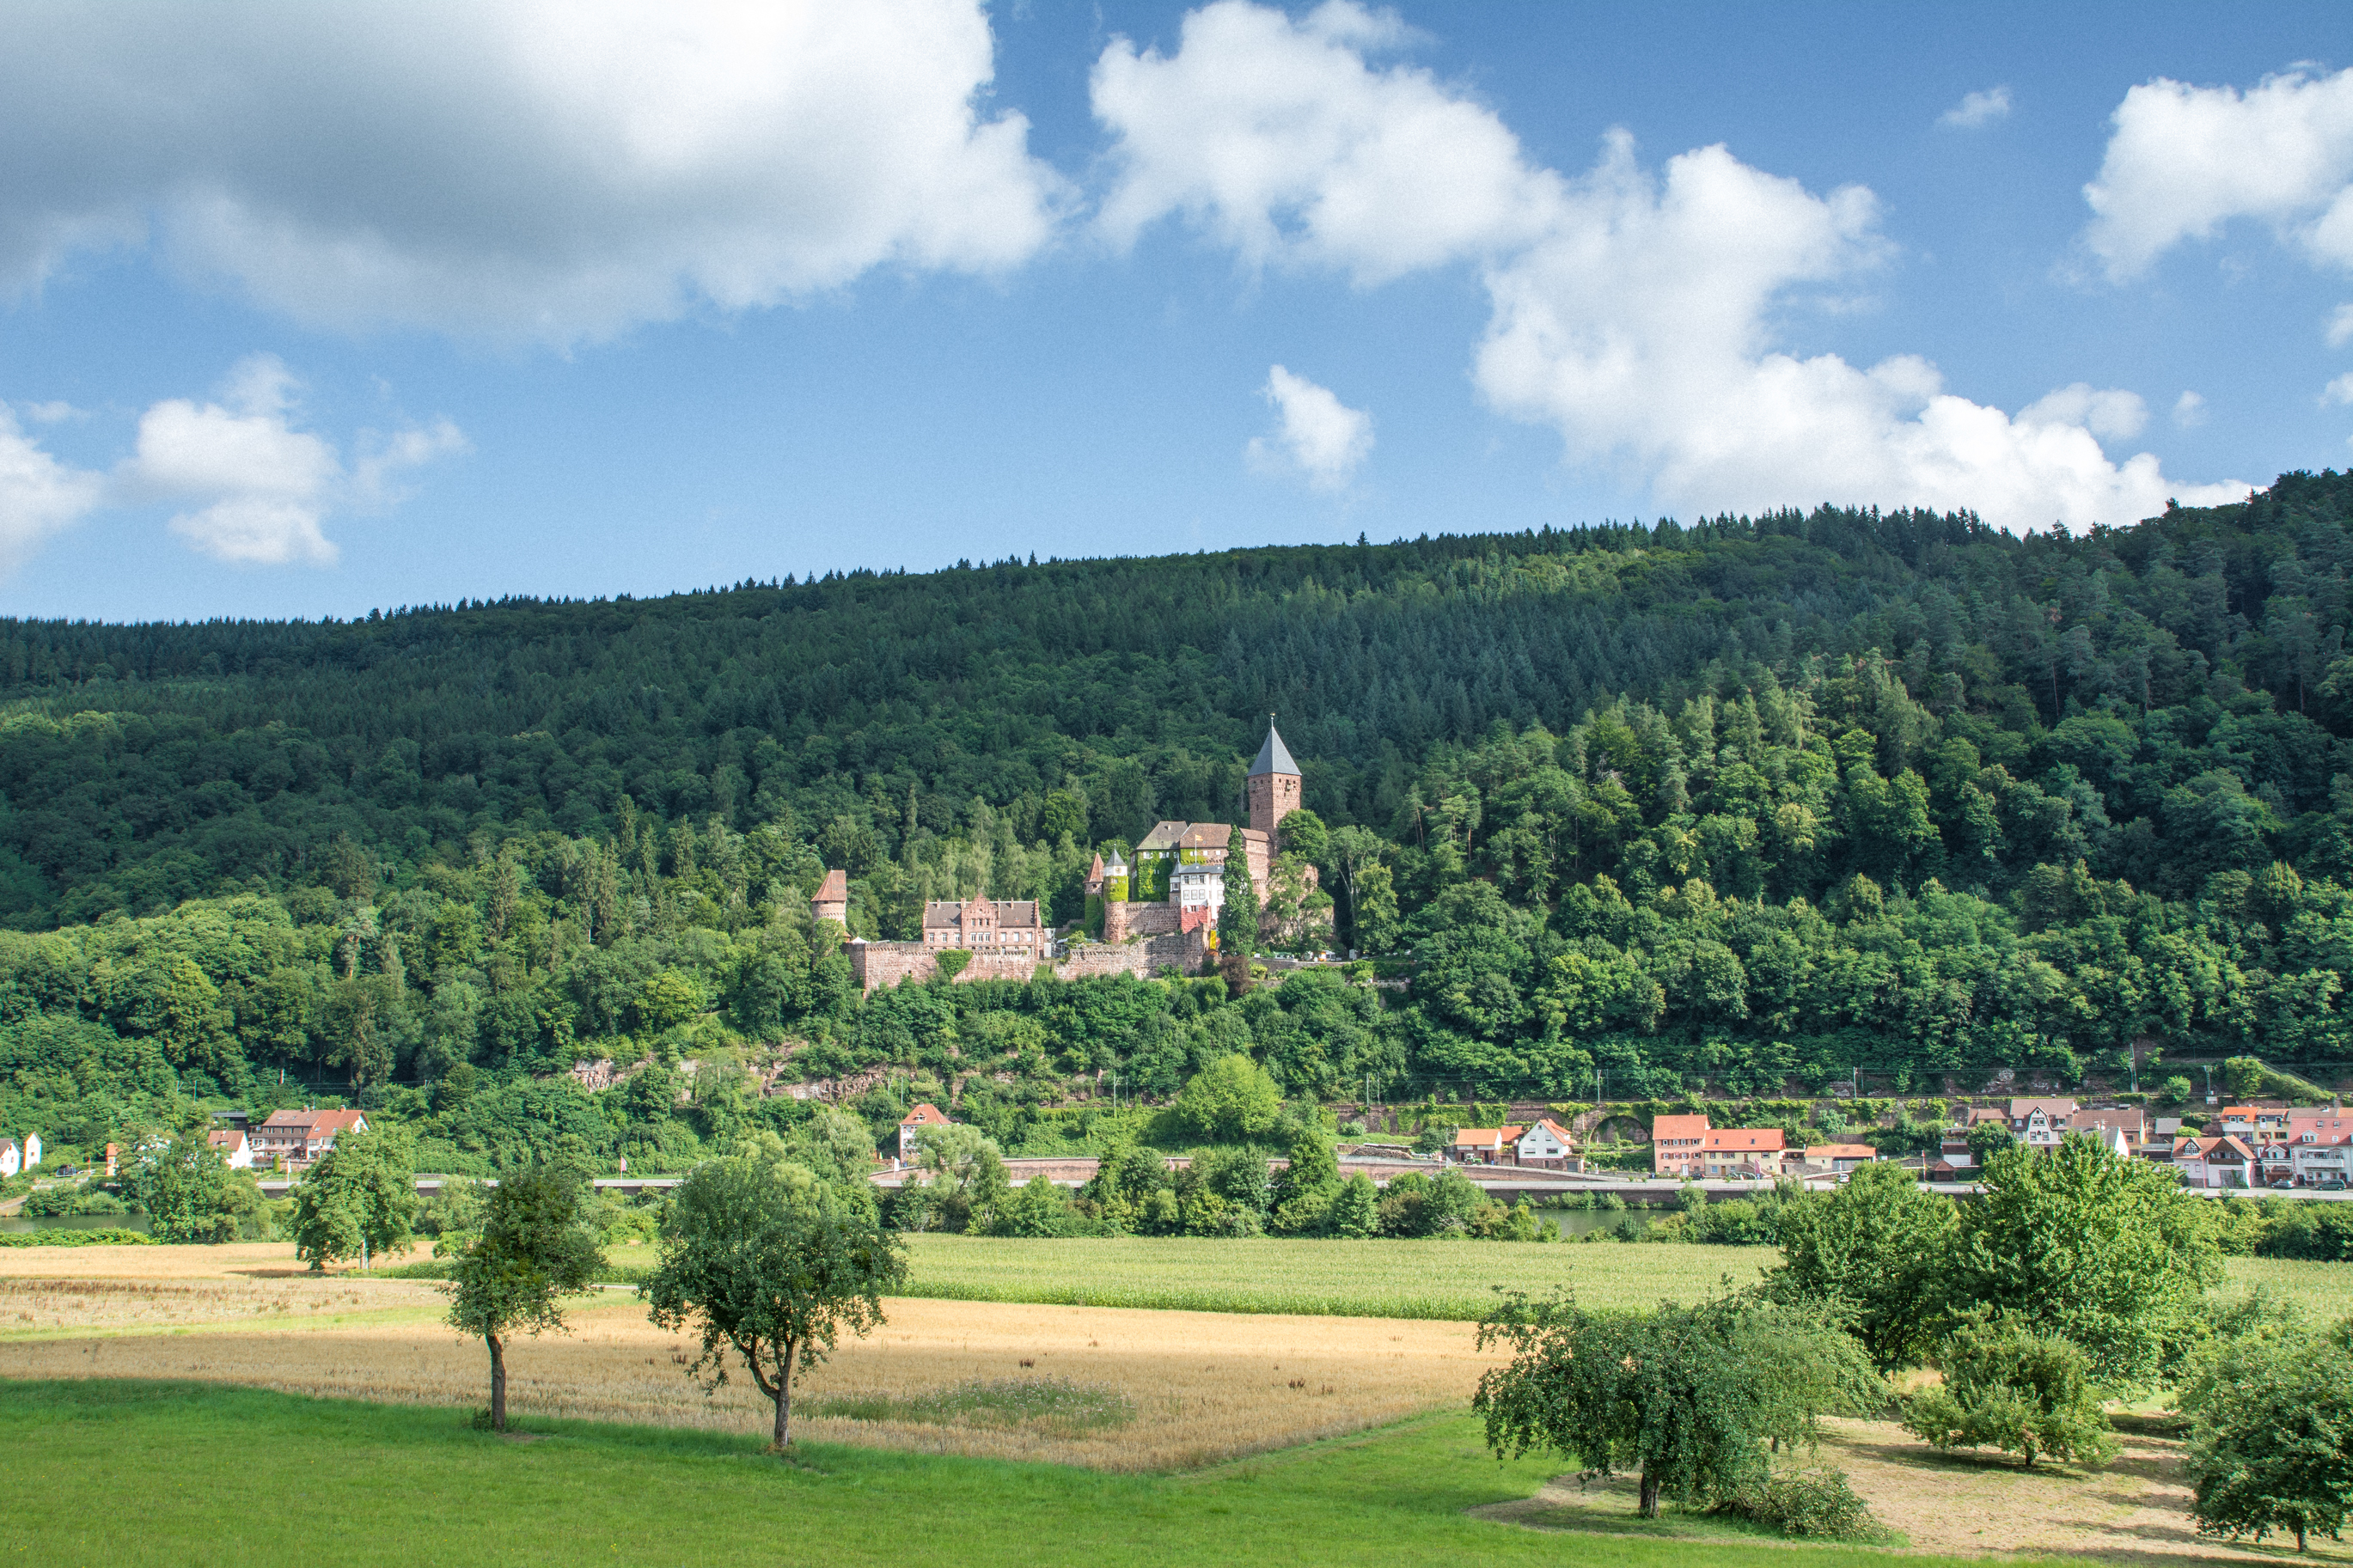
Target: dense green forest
<point x="1746" y="804"/>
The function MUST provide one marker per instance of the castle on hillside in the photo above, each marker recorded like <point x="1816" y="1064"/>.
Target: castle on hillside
<point x="1177" y="882"/>
<point x="1158" y="912"/>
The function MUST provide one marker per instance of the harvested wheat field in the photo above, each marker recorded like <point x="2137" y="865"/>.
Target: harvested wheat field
<point x="237" y="1259"/>
<point x="1109" y="1388"/>
<point x="47" y="1292"/>
<point x="2135" y="1511"/>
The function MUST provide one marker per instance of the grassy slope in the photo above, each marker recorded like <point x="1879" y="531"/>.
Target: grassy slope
<point x="1447" y="1279"/>
<point x="360" y="1484"/>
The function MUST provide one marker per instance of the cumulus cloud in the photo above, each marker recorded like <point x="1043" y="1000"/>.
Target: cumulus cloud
<point x="1633" y="311"/>
<point x="255" y="489"/>
<point x="550" y="169"/>
<point x="1316" y="434"/>
<point x="250" y="486"/>
<point x="2340" y="327"/>
<point x="2339" y="391"/>
<point x="2188" y="411"/>
<point x="1978" y="108"/>
<point x="38" y="495"/>
<point x="1283" y="141"/>
<point x="2110" y="415"/>
<point x="2183" y="161"/>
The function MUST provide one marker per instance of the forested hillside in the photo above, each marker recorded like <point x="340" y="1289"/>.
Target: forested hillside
<point x="1748" y="802"/>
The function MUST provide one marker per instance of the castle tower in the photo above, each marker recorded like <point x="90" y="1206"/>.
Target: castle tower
<point x="1273" y="788"/>
<point x="832" y="901"/>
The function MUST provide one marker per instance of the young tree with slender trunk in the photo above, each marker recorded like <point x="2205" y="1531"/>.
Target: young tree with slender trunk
<point x="763" y="1259"/>
<point x="536" y="1248"/>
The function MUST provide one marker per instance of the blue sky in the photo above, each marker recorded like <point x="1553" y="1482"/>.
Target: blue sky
<point x="309" y="310"/>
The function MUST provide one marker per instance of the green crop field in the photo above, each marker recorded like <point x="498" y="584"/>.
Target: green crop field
<point x="1447" y="1279"/>
<point x="224" y="1471"/>
<point x="1444" y="1279"/>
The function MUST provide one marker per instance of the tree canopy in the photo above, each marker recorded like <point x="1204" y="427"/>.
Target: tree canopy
<point x="534" y="1248"/>
<point x="765" y="1260"/>
<point x="1739" y="802"/>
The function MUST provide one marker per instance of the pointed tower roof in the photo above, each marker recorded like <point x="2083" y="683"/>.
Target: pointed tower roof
<point x="1095" y="871"/>
<point x="1274" y="757"/>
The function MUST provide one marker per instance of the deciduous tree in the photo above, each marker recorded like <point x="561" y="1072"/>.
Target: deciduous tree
<point x="357" y="1200"/>
<point x="768" y="1262"/>
<point x="534" y="1248"/>
<point x="1686" y="1397"/>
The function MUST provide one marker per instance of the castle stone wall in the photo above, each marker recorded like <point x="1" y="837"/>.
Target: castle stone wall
<point x="1122" y="921"/>
<point x="877" y="964"/>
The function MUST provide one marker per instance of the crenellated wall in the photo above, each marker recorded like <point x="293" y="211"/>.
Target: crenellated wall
<point x="875" y="965"/>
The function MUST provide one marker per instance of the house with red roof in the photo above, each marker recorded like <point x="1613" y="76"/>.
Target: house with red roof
<point x="2215" y="1162"/>
<point x="1742" y="1152"/>
<point x="1485" y="1145"/>
<point x="1676" y="1142"/>
<point x="911" y="1126"/>
<point x="292" y="1140"/>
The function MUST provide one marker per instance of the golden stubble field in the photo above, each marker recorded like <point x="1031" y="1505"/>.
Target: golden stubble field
<point x="1206" y="1387"/>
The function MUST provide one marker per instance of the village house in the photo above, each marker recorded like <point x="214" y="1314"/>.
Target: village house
<point x="912" y="1125"/>
<point x="2255" y="1123"/>
<point x="2315" y="1124"/>
<point x="1485" y="1145"/>
<point x="2275" y="1163"/>
<point x="2041" y="1123"/>
<point x="1728" y="1152"/>
<point x="2129" y="1120"/>
<point x="1547" y="1145"/>
<point x="12" y="1157"/>
<point x="234" y="1145"/>
<point x="1675" y="1145"/>
<point x="2326" y="1160"/>
<point x="1838" y="1158"/>
<point x="1954" y="1155"/>
<point x="292" y="1140"/>
<point x="2227" y="1161"/>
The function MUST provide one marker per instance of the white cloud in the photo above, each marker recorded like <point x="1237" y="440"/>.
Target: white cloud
<point x="1279" y="137"/>
<point x="1633" y="311"/>
<point x="259" y="489"/>
<point x="2188" y="411"/>
<point x="2186" y="160"/>
<point x="38" y="496"/>
<point x="549" y="169"/>
<point x="54" y="413"/>
<point x="252" y="487"/>
<point x="2110" y="415"/>
<point x="1317" y="435"/>
<point x="1978" y="108"/>
<point x="2339" y="391"/>
<point x="2340" y="327"/>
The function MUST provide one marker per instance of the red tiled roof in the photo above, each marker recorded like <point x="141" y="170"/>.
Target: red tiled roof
<point x="1679" y="1126"/>
<point x="835" y="889"/>
<point x="926" y="1114"/>
<point x="1743" y="1138"/>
